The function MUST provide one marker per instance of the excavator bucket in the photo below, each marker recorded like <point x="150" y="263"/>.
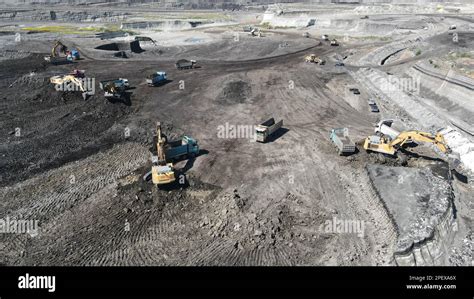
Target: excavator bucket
<point x="86" y="95"/>
<point x="454" y="160"/>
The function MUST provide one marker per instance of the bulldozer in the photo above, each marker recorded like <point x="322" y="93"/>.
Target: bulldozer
<point x="161" y="172"/>
<point x="75" y="78"/>
<point x="312" y="58"/>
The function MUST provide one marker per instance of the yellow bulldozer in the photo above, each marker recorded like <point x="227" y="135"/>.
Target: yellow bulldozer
<point x="161" y="172"/>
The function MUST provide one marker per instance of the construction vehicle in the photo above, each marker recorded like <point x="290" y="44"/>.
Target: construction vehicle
<point x="156" y="78"/>
<point x="384" y="145"/>
<point x="334" y="43"/>
<point x="113" y="91"/>
<point x="161" y="172"/>
<point x="373" y="106"/>
<point x="267" y="128"/>
<point x="118" y="83"/>
<point x="77" y="73"/>
<point x="76" y="78"/>
<point x="342" y="141"/>
<point x="247" y="28"/>
<point x="60" y="54"/>
<point x="384" y="128"/>
<point x="184" y="64"/>
<point x="354" y="90"/>
<point x="312" y="58"/>
<point x="114" y="88"/>
<point x="256" y="32"/>
<point x="185" y="146"/>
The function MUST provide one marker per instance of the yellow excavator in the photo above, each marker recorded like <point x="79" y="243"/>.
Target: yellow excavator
<point x="384" y="145"/>
<point x="161" y="172"/>
<point x="62" y="49"/>
<point x="61" y="54"/>
<point x="74" y="78"/>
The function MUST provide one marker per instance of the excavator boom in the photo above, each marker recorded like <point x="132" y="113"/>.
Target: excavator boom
<point x="57" y="45"/>
<point x="161" y="172"/>
<point x="419" y="136"/>
<point x="383" y="145"/>
<point x="59" y="80"/>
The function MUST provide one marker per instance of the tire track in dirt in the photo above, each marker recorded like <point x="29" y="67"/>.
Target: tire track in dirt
<point x="94" y="182"/>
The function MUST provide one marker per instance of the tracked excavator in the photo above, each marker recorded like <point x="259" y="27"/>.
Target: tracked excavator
<point x="74" y="78"/>
<point x="161" y="172"/>
<point x="58" y="49"/>
<point x="385" y="145"/>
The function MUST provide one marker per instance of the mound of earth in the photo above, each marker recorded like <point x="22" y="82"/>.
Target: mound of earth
<point x="235" y="92"/>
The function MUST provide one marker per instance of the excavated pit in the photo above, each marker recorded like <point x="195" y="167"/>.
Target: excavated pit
<point x="420" y="202"/>
<point x="133" y="46"/>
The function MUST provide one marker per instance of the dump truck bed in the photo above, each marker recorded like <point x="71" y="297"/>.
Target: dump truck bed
<point x="184" y="63"/>
<point x="340" y="137"/>
<point x="267" y="128"/>
<point x="268" y="123"/>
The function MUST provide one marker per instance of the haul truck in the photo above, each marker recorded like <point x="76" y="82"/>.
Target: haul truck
<point x="267" y="128"/>
<point x="340" y="138"/>
<point x="156" y="79"/>
<point x="186" y="146"/>
<point x="184" y="64"/>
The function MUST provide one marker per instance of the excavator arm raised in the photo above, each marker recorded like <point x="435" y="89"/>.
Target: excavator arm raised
<point x="61" y="47"/>
<point x="161" y="172"/>
<point x="59" y="80"/>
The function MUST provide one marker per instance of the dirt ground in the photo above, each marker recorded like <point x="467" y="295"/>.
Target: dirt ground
<point x="76" y="166"/>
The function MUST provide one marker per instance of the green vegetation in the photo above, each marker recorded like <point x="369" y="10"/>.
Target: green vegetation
<point x="418" y="52"/>
<point x="64" y="29"/>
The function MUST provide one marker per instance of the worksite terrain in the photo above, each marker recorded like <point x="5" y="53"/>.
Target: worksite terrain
<point x="77" y="166"/>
